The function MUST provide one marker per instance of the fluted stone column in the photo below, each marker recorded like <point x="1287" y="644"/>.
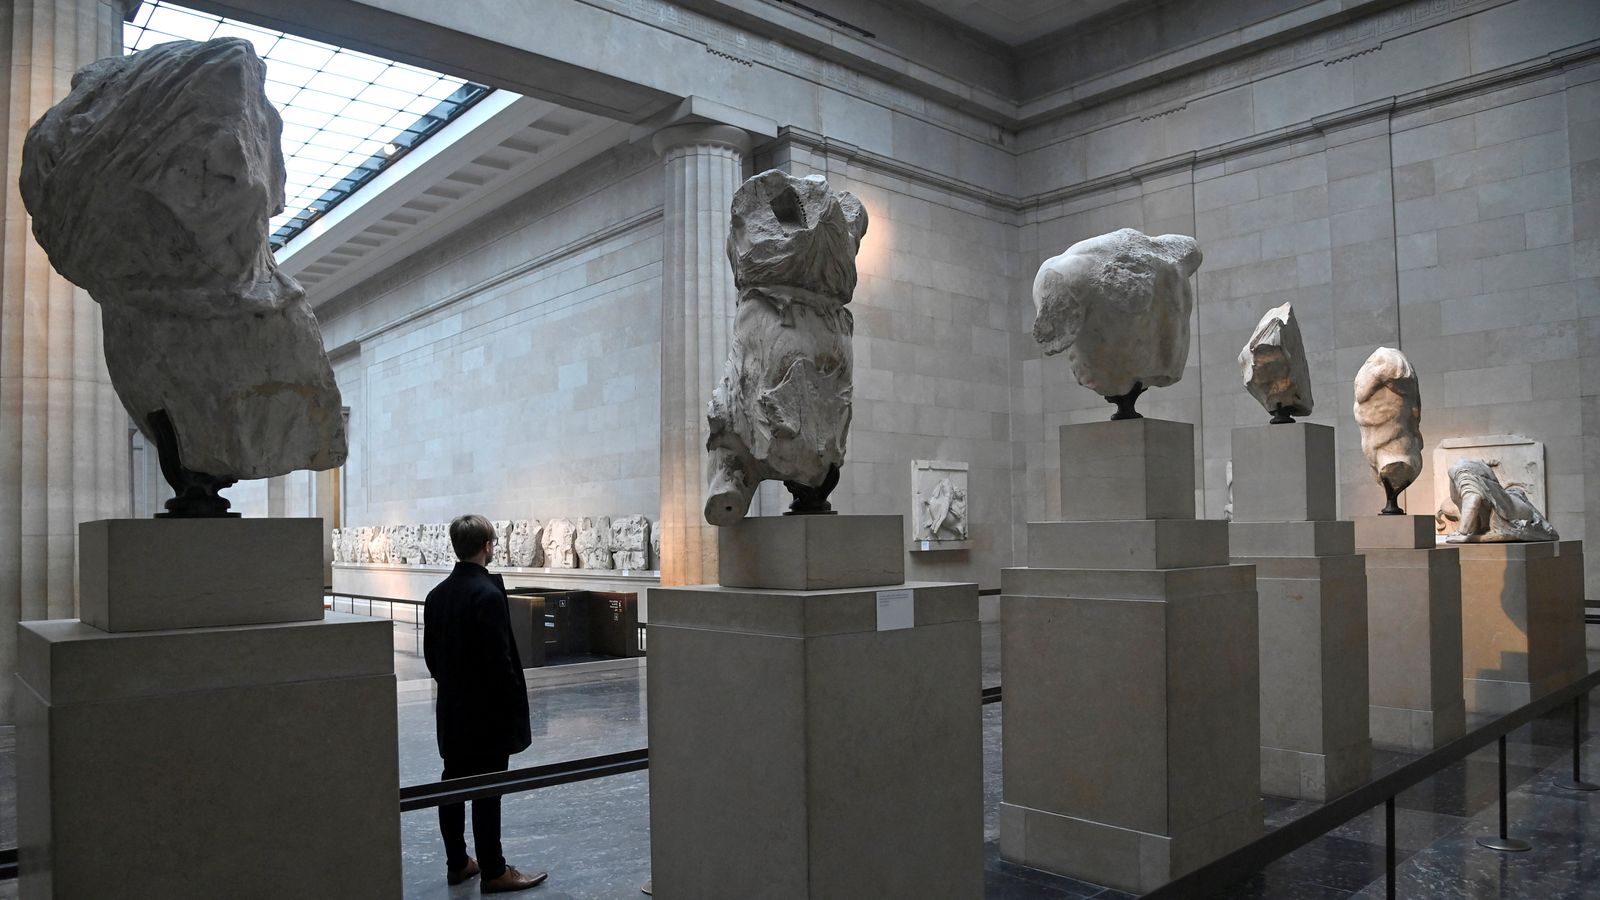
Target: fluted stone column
<point x="704" y="166"/>
<point x="64" y="447"/>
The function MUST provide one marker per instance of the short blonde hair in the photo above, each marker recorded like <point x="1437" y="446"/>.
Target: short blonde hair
<point x="469" y="533"/>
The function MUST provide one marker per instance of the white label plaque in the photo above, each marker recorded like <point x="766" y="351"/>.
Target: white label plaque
<point x="895" y="609"/>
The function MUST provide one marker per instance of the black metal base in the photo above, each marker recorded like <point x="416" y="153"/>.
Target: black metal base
<point x="1578" y="785"/>
<point x="813" y="501"/>
<point x="1392" y="507"/>
<point x="198" y="495"/>
<point x="1280" y="416"/>
<point x="1125" y="403"/>
<point x="1505" y="845"/>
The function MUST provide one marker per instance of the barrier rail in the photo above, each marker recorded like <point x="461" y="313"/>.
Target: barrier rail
<point x="1264" y="851"/>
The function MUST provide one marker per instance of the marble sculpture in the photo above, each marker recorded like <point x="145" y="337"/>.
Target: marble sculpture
<point x="1388" y="411"/>
<point x="594" y="542"/>
<point x="405" y="545"/>
<point x="1487" y="512"/>
<point x="436" y="547"/>
<point x="944" y="514"/>
<point x="338" y="545"/>
<point x="151" y="186"/>
<point x="1119" y="305"/>
<point x="782" y="410"/>
<point x="502" y="544"/>
<point x="630" y="542"/>
<point x="1273" y="363"/>
<point x="523" y="545"/>
<point x="655" y="545"/>
<point x="559" y="551"/>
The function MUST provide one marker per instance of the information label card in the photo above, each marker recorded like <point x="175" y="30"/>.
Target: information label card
<point x="896" y="609"/>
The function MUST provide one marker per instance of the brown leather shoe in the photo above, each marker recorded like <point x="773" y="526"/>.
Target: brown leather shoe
<point x="453" y="877"/>
<point x="512" y="880"/>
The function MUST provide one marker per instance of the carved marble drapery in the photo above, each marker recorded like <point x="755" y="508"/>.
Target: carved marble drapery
<point x="704" y="165"/>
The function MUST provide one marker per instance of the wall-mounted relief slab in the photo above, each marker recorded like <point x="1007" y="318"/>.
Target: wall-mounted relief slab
<point x="1516" y="461"/>
<point x="939" y="505"/>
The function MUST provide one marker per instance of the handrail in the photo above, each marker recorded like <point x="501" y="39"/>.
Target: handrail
<point x="371" y="598"/>
<point x="1276" y="844"/>
<point x="494" y="784"/>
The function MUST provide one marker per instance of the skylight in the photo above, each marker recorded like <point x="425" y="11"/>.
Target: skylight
<point x="346" y="115"/>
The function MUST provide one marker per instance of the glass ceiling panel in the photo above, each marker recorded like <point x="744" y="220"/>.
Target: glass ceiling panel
<point x="346" y="115"/>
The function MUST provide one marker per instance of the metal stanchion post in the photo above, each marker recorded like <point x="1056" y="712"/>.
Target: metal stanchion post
<point x="1577" y="783"/>
<point x="1388" y="847"/>
<point x="1503" y="842"/>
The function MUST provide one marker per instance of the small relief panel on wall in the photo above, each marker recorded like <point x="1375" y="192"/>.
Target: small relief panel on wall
<point x="1517" y="461"/>
<point x="939" y="505"/>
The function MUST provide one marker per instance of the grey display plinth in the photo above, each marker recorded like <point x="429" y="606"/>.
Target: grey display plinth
<point x="1315" y="742"/>
<point x="1131" y="723"/>
<point x="797" y="750"/>
<point x="1413" y="633"/>
<point x="189" y="762"/>
<point x="1522" y="621"/>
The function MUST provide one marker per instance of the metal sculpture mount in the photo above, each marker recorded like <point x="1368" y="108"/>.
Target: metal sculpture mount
<point x="151" y="186"/>
<point x="1388" y="411"/>
<point x="1119" y="306"/>
<point x="1274" y="366"/>
<point x="782" y="410"/>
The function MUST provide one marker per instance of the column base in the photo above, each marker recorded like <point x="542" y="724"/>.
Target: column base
<point x="1522" y="612"/>
<point x="176" y="764"/>
<point x="1122" y="858"/>
<point x="799" y="753"/>
<point x="1416" y="729"/>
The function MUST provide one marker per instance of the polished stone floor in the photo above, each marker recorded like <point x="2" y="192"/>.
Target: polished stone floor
<point x="594" y="838"/>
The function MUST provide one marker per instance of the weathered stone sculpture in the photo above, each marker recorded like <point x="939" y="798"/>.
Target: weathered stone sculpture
<point x="593" y="542"/>
<point x="382" y="545"/>
<point x="1388" y="410"/>
<point x="151" y="186"/>
<point x="1487" y="512"/>
<point x="523" y="545"/>
<point x="655" y="545"/>
<point x="559" y="552"/>
<point x="363" y="548"/>
<point x="1119" y="305"/>
<point x="630" y="542"/>
<point x="502" y="544"/>
<point x="944" y="514"/>
<point x="1274" y="365"/>
<point x="782" y="410"/>
<point x="405" y="545"/>
<point x="436" y="549"/>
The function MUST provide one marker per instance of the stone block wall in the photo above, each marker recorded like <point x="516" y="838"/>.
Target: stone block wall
<point x="513" y="369"/>
<point x="1424" y="178"/>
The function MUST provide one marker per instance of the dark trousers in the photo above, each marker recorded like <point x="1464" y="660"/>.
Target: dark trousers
<point x="485" y="819"/>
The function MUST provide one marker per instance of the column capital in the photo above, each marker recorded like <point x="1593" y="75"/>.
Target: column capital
<point x="694" y="134"/>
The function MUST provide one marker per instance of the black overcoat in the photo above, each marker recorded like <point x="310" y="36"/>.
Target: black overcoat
<point x="482" y="706"/>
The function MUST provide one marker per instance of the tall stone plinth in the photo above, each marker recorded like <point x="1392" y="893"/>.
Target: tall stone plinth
<point x="1413" y="633"/>
<point x="184" y="762"/>
<point x="815" y="732"/>
<point x="1128" y="650"/>
<point x="1315" y="742"/>
<point x="1522" y="621"/>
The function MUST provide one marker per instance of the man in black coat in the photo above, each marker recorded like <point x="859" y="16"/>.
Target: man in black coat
<point x="482" y="705"/>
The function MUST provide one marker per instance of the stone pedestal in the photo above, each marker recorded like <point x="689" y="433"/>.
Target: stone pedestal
<point x="174" y="762"/>
<point x="797" y="750"/>
<point x="1128" y="649"/>
<point x="1413" y="633"/>
<point x="1522" y="621"/>
<point x="1315" y="743"/>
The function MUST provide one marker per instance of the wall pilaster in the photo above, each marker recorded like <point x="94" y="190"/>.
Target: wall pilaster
<point x="703" y="166"/>
<point x="64" y="451"/>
